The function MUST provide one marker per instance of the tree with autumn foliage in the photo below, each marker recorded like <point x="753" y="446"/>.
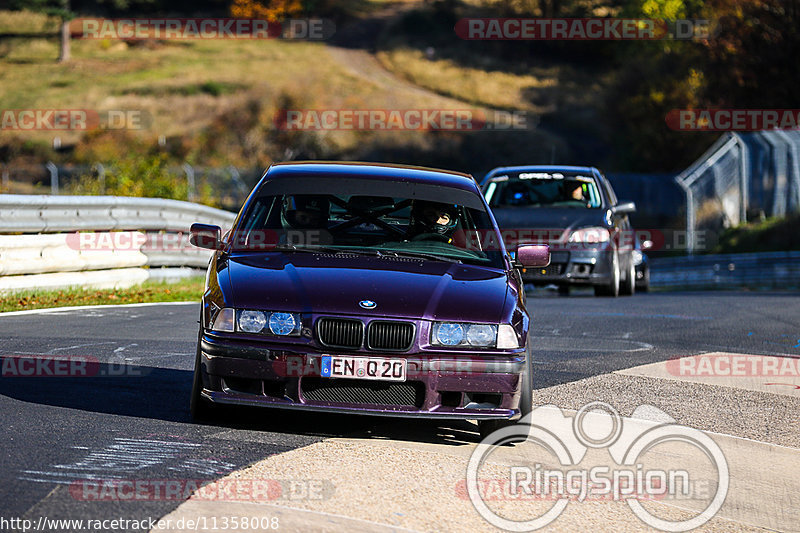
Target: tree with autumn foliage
<point x="753" y="58"/>
<point x="749" y="61"/>
<point x="271" y="10"/>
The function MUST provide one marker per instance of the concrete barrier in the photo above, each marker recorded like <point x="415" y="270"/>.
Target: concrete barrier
<point x="777" y="270"/>
<point x="98" y="241"/>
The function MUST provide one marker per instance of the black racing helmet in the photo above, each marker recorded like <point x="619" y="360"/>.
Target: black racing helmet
<point x="430" y="217"/>
<point x="306" y="211"/>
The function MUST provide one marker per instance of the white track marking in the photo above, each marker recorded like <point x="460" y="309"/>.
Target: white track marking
<point x="81" y="307"/>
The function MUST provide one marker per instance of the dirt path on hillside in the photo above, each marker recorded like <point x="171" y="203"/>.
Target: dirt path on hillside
<point x="354" y="46"/>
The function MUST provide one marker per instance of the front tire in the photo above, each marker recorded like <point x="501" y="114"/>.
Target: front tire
<point x="487" y="427"/>
<point x="612" y="287"/>
<point x="200" y="408"/>
<point x="629" y="287"/>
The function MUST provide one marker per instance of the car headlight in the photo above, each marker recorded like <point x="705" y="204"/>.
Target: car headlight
<point x="593" y="235"/>
<point x="448" y="334"/>
<point x="455" y="334"/>
<point x="252" y="321"/>
<point x="282" y="323"/>
<point x="482" y="335"/>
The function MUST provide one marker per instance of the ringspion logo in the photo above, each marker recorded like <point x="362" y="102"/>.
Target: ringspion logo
<point x="650" y="457"/>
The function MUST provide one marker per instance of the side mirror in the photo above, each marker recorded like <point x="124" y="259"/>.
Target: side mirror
<point x="206" y="236"/>
<point x="533" y="255"/>
<point x="624" y="208"/>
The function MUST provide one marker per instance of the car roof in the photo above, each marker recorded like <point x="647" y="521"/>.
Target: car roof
<point x="376" y="171"/>
<point x="541" y="168"/>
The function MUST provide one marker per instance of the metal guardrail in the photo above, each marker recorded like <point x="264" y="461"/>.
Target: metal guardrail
<point x="46" y="245"/>
<point x="56" y="214"/>
<point x="777" y="270"/>
<point x="741" y="174"/>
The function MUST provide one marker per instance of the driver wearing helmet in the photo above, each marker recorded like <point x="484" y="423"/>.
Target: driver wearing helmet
<point x="307" y="215"/>
<point x="305" y="211"/>
<point x="432" y="221"/>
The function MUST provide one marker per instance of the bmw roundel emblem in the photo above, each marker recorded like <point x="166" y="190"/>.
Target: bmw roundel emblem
<point x="367" y="304"/>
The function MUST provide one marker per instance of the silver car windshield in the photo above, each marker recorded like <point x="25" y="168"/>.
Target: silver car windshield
<point x="543" y="189"/>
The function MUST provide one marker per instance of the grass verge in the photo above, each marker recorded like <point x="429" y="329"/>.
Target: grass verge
<point x="770" y="235"/>
<point x="151" y="291"/>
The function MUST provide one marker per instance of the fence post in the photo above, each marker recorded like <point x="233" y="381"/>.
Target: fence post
<point x="689" y="217"/>
<point x="101" y="176"/>
<point x="778" y="164"/>
<point x="187" y="168"/>
<point x="53" y="169"/>
<point x="237" y="179"/>
<point x="744" y="179"/>
<point x="792" y="170"/>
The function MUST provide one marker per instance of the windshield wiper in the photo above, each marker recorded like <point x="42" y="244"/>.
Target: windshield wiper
<point x="325" y="249"/>
<point x="364" y="251"/>
<point x="421" y="255"/>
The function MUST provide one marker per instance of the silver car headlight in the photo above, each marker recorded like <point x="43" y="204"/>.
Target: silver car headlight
<point x="251" y="321"/>
<point x="593" y="235"/>
<point x="460" y="335"/>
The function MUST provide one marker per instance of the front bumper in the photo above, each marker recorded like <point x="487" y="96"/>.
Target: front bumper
<point x="584" y="267"/>
<point x="448" y="386"/>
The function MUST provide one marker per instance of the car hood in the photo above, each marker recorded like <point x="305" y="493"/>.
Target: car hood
<point x="548" y="218"/>
<point x="401" y="288"/>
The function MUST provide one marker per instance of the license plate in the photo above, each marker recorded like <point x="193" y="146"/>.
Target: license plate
<point x="338" y="366"/>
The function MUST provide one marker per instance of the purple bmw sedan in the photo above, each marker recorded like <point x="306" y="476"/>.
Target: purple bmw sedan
<point x="365" y="288"/>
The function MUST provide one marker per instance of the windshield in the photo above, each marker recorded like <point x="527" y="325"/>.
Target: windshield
<point x="543" y="189"/>
<point x="420" y="223"/>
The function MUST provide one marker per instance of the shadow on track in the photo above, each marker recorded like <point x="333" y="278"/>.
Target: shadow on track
<point x="163" y="394"/>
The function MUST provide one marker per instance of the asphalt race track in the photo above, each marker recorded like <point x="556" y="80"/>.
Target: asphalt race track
<point x="130" y="420"/>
